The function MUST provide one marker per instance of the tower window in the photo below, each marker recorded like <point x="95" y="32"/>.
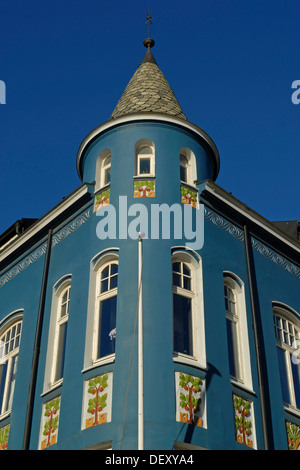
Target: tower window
<point x="103" y="170"/>
<point x="183" y="168"/>
<point x="144" y="160"/>
<point x="106" y="170"/>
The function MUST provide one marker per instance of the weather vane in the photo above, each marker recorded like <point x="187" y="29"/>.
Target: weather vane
<point x="149" y="21"/>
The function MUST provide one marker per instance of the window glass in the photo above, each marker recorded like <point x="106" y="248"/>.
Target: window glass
<point x="233" y="352"/>
<point x="107" y="322"/>
<point x="283" y="375"/>
<point x="106" y="311"/>
<point x="9" y="349"/>
<point x="144" y="166"/>
<point x="183" y="168"/>
<point x="182" y="325"/>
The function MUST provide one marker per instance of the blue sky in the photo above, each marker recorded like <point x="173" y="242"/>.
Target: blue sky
<point x="230" y="63"/>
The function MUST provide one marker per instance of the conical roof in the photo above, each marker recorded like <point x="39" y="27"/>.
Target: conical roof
<point x="148" y="91"/>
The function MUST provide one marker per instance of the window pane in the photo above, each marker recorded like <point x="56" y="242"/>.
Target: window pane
<point x="176" y="280"/>
<point x="105" y="273"/>
<point x="233" y="350"/>
<point x="104" y="286"/>
<point x="186" y="283"/>
<point x="107" y="161"/>
<point x="61" y="347"/>
<point x="107" y="322"/>
<point x="114" y="269"/>
<point x="183" y="174"/>
<point x="3" y="368"/>
<point x="11" y="382"/>
<point x="176" y="267"/>
<point x="283" y="375"/>
<point x="186" y="270"/>
<point x="145" y="151"/>
<point x="113" y="282"/>
<point x="107" y="176"/>
<point x="296" y="379"/>
<point x="182" y="318"/>
<point x="144" y="166"/>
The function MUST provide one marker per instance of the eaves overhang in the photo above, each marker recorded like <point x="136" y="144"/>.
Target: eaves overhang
<point x="240" y="214"/>
<point x="56" y="216"/>
<point x="149" y="117"/>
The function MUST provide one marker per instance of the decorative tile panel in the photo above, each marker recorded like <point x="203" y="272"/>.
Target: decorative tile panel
<point x="188" y="196"/>
<point x="97" y="401"/>
<point x="293" y="435"/>
<point x="4" y="434"/>
<point x="244" y="421"/>
<point x="143" y="188"/>
<point x="49" y="423"/>
<point x="190" y="399"/>
<point x="102" y="199"/>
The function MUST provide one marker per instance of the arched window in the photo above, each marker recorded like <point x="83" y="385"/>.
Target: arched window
<point x="188" y="311"/>
<point x="188" y="167"/>
<point x="9" y="349"/>
<point x="287" y="333"/>
<point x="103" y="168"/>
<point x="106" y="309"/>
<point x="57" y="337"/>
<point x="144" y="159"/>
<point x="237" y="330"/>
<point x="183" y="168"/>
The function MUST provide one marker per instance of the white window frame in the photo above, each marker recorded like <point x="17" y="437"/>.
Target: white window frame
<point x="285" y="340"/>
<point x="100" y="297"/>
<point x="101" y="167"/>
<point x="56" y="323"/>
<point x="194" y="262"/>
<point x="138" y="157"/>
<point x="11" y="358"/>
<point x="240" y="319"/>
<point x="191" y="167"/>
<point x="91" y="343"/>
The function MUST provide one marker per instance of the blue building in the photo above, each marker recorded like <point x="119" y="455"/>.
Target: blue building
<point x="150" y="309"/>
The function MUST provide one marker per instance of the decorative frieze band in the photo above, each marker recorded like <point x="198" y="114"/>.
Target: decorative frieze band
<point x="256" y="245"/>
<point x="41" y="250"/>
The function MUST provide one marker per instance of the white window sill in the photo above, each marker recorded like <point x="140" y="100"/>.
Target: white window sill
<point x="189" y="361"/>
<point x="52" y="387"/>
<point x="291" y="409"/>
<point x="101" y="362"/>
<point x="242" y="386"/>
<point x="5" y="415"/>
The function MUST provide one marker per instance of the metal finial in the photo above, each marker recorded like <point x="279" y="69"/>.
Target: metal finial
<point x="149" y="42"/>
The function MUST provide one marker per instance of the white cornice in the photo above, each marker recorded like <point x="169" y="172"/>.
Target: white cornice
<point x="127" y="119"/>
<point x="41" y="223"/>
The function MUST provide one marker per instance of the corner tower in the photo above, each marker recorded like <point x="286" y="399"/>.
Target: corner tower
<point x="147" y="154"/>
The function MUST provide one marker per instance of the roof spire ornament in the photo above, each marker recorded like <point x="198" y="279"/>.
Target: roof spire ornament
<point x="149" y="42"/>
